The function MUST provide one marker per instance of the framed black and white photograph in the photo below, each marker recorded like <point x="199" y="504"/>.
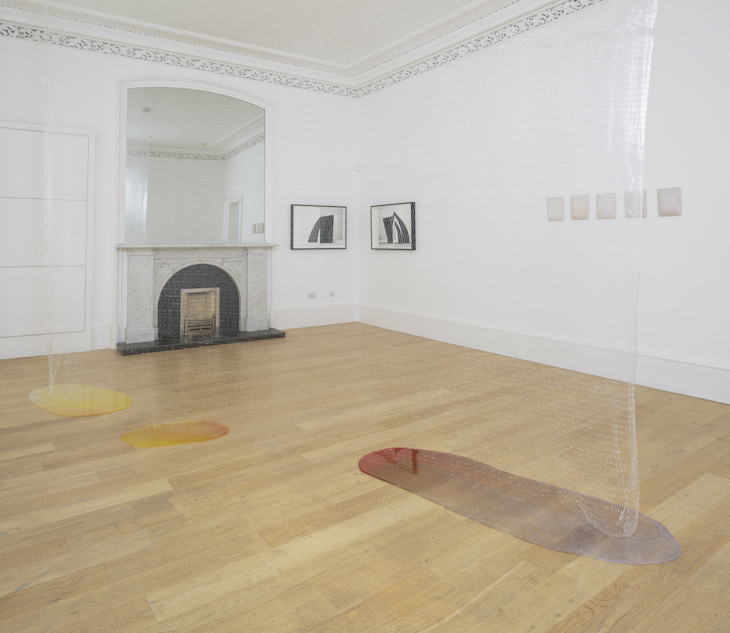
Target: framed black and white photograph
<point x="393" y="226"/>
<point x="318" y="227"/>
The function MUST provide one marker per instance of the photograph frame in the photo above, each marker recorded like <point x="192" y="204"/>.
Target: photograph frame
<point x="393" y="226"/>
<point x="310" y="232"/>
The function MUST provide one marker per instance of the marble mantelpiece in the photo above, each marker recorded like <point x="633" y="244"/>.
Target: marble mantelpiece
<point x="147" y="268"/>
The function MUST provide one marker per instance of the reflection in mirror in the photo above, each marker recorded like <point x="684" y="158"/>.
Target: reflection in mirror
<point x="232" y="223"/>
<point x="136" y="185"/>
<point x="194" y="168"/>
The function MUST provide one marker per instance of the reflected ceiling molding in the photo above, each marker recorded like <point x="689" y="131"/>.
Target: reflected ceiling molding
<point x="489" y="38"/>
<point x="259" y="138"/>
<point x="178" y="155"/>
<point x="190" y="155"/>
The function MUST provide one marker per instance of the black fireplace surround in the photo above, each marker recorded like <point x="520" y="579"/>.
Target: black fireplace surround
<point x="197" y="276"/>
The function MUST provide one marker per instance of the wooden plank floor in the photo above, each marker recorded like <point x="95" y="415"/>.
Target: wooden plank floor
<point x="273" y="528"/>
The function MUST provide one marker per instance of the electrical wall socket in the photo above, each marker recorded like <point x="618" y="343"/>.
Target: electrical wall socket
<point x="311" y="295"/>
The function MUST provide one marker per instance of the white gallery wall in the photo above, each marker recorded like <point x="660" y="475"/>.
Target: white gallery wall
<point x="314" y="148"/>
<point x="322" y="171"/>
<point x="479" y="144"/>
<point x="684" y="300"/>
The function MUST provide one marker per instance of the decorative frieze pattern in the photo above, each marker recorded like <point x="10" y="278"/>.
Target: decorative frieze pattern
<point x="496" y="36"/>
<point x="483" y="41"/>
<point x="178" y="155"/>
<point x="259" y="138"/>
<point x="169" y="59"/>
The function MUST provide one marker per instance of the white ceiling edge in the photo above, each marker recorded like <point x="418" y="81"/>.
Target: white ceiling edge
<point x="497" y="20"/>
<point x="51" y="25"/>
<point x="441" y="33"/>
<point x="514" y="19"/>
<point x="122" y="30"/>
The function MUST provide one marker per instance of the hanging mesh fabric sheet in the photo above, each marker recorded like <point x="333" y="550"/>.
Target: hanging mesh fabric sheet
<point x="568" y="186"/>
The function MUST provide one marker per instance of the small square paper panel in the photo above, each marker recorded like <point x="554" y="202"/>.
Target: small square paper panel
<point x="556" y="209"/>
<point x="635" y="204"/>
<point x="606" y="206"/>
<point x="579" y="207"/>
<point x="669" y="201"/>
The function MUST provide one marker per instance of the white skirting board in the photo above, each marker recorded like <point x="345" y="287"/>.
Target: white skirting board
<point x="678" y="375"/>
<point x="40" y="345"/>
<point x="102" y="337"/>
<point x="23" y="346"/>
<point x="688" y="377"/>
<point x="310" y="317"/>
<point x="691" y="378"/>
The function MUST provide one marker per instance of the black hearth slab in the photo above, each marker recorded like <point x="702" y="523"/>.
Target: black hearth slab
<point x="126" y="349"/>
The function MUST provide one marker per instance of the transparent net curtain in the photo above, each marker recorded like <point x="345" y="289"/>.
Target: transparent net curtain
<point x="570" y="139"/>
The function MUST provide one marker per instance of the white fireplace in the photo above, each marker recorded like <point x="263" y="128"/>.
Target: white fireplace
<point x="145" y="270"/>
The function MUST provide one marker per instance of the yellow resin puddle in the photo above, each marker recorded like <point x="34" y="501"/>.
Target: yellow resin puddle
<point x="175" y="433"/>
<point x="79" y="400"/>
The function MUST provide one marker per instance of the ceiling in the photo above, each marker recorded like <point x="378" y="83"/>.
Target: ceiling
<point x="189" y="119"/>
<point x="346" y="37"/>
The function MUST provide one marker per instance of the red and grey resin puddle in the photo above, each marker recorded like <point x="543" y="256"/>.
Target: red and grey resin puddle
<point x="536" y="512"/>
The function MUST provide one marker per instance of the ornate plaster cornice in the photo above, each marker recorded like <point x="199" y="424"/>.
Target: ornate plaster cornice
<point x="170" y="59"/>
<point x="491" y="37"/>
<point x="518" y="27"/>
<point x="256" y="140"/>
<point x="178" y="155"/>
<point x="186" y="154"/>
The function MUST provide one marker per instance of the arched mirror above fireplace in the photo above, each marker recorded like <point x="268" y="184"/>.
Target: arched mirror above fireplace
<point x="196" y="198"/>
<point x="195" y="168"/>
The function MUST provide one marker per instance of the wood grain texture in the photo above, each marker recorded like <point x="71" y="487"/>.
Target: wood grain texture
<point x="273" y="528"/>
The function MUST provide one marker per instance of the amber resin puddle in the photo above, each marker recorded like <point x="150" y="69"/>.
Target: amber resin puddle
<point x="175" y="433"/>
<point x="79" y="400"/>
<point x="536" y="512"/>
